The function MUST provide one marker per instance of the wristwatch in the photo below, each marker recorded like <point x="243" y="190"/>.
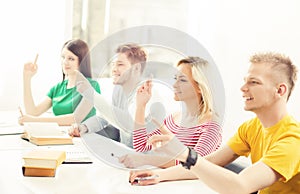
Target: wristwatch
<point x="191" y="159"/>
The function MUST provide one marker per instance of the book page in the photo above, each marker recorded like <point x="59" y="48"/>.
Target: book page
<point x="40" y="129"/>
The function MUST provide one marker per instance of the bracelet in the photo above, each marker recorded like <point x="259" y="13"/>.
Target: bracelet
<point x="191" y="159"/>
<point x="83" y="128"/>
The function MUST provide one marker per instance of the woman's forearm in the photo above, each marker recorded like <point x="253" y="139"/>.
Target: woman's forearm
<point x="27" y="97"/>
<point x="62" y="120"/>
<point x="175" y="173"/>
<point x="139" y="117"/>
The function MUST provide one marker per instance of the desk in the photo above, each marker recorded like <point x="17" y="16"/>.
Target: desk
<point x="97" y="177"/>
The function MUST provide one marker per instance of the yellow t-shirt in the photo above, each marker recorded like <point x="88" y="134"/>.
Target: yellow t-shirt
<point x="277" y="146"/>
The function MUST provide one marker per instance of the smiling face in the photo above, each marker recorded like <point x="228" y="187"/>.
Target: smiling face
<point x="185" y="87"/>
<point x="121" y="69"/>
<point x="259" y="90"/>
<point x="69" y="61"/>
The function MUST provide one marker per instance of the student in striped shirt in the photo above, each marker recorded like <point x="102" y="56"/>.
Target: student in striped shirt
<point x="195" y="125"/>
<point x="271" y="139"/>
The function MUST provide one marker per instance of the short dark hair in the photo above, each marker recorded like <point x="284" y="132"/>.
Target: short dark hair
<point x="80" y="48"/>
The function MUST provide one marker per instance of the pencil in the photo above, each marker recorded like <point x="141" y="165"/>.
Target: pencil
<point x="36" y="58"/>
<point x="20" y="110"/>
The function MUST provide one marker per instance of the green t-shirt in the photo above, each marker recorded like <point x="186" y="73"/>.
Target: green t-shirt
<point x="65" y="101"/>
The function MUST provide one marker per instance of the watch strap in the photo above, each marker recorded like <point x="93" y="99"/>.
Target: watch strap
<point x="191" y="159"/>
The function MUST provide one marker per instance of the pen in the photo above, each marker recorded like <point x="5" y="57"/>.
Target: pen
<point x="137" y="179"/>
<point x="20" y="110"/>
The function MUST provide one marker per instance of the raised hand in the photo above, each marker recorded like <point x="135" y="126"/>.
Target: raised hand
<point x="144" y="93"/>
<point x="82" y="83"/>
<point x="84" y="87"/>
<point x="29" y="70"/>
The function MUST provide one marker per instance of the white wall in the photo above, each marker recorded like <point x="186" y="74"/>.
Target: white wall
<point x="234" y="30"/>
<point x="30" y="27"/>
<point x="230" y="30"/>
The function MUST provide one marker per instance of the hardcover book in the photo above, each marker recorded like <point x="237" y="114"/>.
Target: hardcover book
<point x="42" y="162"/>
<point x="43" y="133"/>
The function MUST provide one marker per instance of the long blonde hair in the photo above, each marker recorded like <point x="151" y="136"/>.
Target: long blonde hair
<point x="206" y="100"/>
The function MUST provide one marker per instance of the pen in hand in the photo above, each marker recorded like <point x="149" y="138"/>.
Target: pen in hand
<point x="20" y="110"/>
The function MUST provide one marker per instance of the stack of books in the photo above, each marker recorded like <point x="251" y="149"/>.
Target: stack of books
<point x="42" y="162"/>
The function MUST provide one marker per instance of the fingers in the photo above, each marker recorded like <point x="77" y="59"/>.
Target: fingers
<point x="125" y="160"/>
<point x="143" y="178"/>
<point x="31" y="67"/>
<point x="20" y="120"/>
<point x="148" y="86"/>
<point x="74" y="130"/>
<point x="122" y="158"/>
<point x="141" y="173"/>
<point x="159" y="140"/>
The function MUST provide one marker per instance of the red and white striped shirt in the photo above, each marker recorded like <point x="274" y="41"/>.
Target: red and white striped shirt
<point x="204" y="138"/>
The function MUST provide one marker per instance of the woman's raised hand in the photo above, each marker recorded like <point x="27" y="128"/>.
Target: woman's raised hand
<point x="144" y="93"/>
<point x="30" y="69"/>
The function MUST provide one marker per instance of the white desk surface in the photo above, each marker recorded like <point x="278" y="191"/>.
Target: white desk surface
<point x="97" y="177"/>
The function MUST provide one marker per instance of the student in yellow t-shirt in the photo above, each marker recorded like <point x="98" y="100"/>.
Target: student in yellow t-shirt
<point x="63" y="97"/>
<point x="271" y="139"/>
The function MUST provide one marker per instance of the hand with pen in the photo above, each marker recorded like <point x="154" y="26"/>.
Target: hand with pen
<point x="171" y="148"/>
<point x="145" y="177"/>
<point x="24" y="117"/>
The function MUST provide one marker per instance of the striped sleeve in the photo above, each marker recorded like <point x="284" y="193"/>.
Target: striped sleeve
<point x="140" y="138"/>
<point x="209" y="140"/>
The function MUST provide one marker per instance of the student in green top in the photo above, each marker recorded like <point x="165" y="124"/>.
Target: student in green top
<point x="63" y="97"/>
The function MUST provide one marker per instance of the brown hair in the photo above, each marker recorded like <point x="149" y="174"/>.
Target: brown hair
<point x="134" y="53"/>
<point x="81" y="50"/>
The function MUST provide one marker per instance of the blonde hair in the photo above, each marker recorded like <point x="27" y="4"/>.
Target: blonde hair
<point x="281" y="65"/>
<point x="197" y="65"/>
